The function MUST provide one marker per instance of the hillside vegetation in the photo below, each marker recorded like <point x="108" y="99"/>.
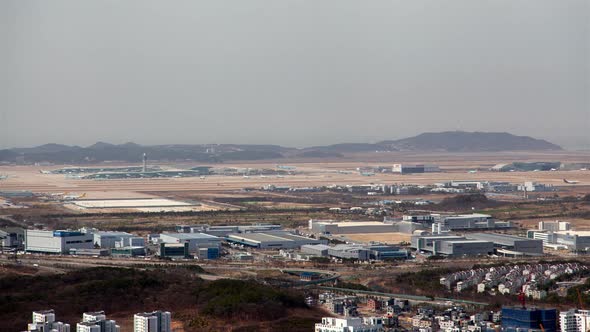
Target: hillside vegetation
<point x="199" y="305"/>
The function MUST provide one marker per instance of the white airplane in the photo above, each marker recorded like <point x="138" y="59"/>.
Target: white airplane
<point x="246" y="177"/>
<point x="73" y="197"/>
<point x="583" y="169"/>
<point x="473" y="171"/>
<point x="3" y="177"/>
<point x="553" y="169"/>
<point x="570" y="181"/>
<point x="202" y="177"/>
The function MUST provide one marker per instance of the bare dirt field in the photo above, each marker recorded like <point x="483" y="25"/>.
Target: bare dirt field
<point x="390" y="238"/>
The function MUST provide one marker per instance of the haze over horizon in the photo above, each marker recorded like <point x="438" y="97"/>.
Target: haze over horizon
<point x="292" y="73"/>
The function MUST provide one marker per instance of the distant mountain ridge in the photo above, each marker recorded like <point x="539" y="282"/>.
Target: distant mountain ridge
<point x="461" y="141"/>
<point x="452" y="141"/>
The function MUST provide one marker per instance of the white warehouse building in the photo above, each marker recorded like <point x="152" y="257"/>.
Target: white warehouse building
<point x="57" y="242"/>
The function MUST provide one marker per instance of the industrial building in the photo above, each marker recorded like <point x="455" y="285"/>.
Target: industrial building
<point x="208" y="253"/>
<point x="554" y="226"/>
<point x="320" y="250"/>
<point x="382" y="252"/>
<point x="223" y="231"/>
<point x="459" y="222"/>
<point x="57" y="242"/>
<point x="89" y="252"/>
<point x="349" y="227"/>
<point x="157" y="321"/>
<point x="194" y="240"/>
<point x="572" y="240"/>
<point x="128" y="251"/>
<point x="110" y="240"/>
<point x="451" y="245"/>
<point x="174" y="250"/>
<point x="409" y="169"/>
<point x="12" y="237"/>
<point x="534" y="186"/>
<point x="511" y="245"/>
<point x="272" y="240"/>
<point x="472" y="221"/>
<point x="350" y="251"/>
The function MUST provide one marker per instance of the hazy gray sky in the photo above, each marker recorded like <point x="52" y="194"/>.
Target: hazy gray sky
<point x="291" y="72"/>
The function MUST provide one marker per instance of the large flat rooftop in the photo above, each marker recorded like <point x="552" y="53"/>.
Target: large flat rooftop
<point x="190" y="236"/>
<point x="353" y="223"/>
<point x="268" y="237"/>
<point x="129" y="203"/>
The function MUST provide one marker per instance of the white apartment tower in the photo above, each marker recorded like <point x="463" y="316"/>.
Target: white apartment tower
<point x="567" y="321"/>
<point x="157" y="321"/>
<point x="44" y="321"/>
<point x="574" y="320"/>
<point x="96" y="322"/>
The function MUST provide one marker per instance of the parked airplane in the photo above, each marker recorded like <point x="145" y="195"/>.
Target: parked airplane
<point x="570" y="181"/>
<point x="73" y="197"/>
<point x="3" y="177"/>
<point x="473" y="171"/>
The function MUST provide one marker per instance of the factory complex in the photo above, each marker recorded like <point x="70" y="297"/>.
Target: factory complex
<point x="559" y="235"/>
<point x="272" y="240"/>
<point x="477" y="244"/>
